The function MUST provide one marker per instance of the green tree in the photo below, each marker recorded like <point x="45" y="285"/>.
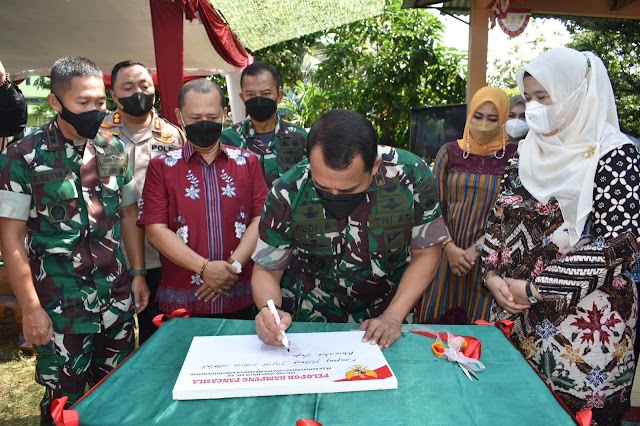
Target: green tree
<point x="616" y="43"/>
<point x="383" y="66"/>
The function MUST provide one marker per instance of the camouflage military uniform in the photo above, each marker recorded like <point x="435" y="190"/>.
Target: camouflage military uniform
<point x="348" y="270"/>
<point x="287" y="148"/>
<point x="160" y="137"/>
<point x="72" y="206"/>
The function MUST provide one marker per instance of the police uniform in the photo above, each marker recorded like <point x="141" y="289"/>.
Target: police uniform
<point x="285" y="150"/>
<point x="348" y="270"/>
<point x="71" y="202"/>
<point x="160" y="137"/>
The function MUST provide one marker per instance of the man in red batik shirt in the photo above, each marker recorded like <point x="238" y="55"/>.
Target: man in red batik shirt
<point x="200" y="208"/>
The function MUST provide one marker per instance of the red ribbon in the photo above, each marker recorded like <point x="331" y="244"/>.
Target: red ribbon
<point x="505" y="325"/>
<point x="162" y="318"/>
<point x="62" y="417"/>
<point x="473" y="349"/>
<point x="307" y="422"/>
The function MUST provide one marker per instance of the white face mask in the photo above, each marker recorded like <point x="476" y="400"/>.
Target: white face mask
<point x="516" y="128"/>
<point x="540" y="118"/>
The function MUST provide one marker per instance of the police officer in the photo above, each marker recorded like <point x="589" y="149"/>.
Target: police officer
<point x="68" y="189"/>
<point x="278" y="144"/>
<point x="352" y="234"/>
<point x="146" y="136"/>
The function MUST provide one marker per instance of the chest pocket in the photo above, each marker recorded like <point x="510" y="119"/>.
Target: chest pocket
<point x="290" y="153"/>
<point x="317" y="243"/>
<point x="55" y="194"/>
<point x="390" y="230"/>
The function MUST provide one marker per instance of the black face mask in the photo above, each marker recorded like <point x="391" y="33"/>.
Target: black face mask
<point x="261" y="108"/>
<point x="341" y="205"/>
<point x="137" y="104"/>
<point x="86" y="123"/>
<point x="204" y="133"/>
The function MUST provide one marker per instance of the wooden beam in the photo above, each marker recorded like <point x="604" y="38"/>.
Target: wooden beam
<point x="591" y="8"/>
<point x="478" y="44"/>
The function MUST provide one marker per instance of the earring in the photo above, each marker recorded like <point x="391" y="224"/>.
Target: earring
<point x="465" y="154"/>
<point x="504" y="145"/>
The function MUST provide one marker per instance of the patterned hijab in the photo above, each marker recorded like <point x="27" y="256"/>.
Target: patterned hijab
<point x="564" y="165"/>
<point x="501" y="101"/>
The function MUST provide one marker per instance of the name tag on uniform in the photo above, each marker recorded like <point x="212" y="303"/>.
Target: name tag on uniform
<point x="112" y="164"/>
<point x="53" y="175"/>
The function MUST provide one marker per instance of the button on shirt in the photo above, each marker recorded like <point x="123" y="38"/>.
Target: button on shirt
<point x="209" y="206"/>
<point x="160" y="137"/>
<point x="72" y="206"/>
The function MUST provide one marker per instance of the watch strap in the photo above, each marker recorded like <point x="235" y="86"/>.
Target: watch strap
<point x="530" y="296"/>
<point x="137" y="272"/>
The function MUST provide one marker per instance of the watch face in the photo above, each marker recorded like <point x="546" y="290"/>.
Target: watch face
<point x="532" y="299"/>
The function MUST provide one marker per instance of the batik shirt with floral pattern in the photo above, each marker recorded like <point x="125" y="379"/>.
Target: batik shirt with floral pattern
<point x="208" y="206"/>
<point x="580" y="336"/>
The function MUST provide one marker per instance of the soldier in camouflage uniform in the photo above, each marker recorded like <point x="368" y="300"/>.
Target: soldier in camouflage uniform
<point x="356" y="227"/>
<point x="68" y="189"/>
<point x="278" y="144"/>
<point x="146" y="136"/>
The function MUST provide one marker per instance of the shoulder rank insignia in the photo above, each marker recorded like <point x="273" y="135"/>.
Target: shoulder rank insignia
<point x="157" y="124"/>
<point x="117" y="119"/>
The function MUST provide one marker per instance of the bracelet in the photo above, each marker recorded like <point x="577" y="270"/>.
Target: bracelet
<point x="449" y="240"/>
<point x="204" y="266"/>
<point x="487" y="276"/>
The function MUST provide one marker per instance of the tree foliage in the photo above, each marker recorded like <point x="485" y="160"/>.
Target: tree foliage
<point x="380" y="67"/>
<point x="617" y="43"/>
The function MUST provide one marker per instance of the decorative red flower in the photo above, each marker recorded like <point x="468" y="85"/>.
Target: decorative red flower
<point x="619" y="282"/>
<point x="506" y="255"/>
<point x="596" y="321"/>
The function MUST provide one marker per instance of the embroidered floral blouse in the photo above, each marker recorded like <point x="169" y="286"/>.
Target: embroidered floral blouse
<point x="209" y="206"/>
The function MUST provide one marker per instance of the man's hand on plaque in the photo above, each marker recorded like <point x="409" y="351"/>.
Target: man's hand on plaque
<point x="383" y="331"/>
<point x="267" y="329"/>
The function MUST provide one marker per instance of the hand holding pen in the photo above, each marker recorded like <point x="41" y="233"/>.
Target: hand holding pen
<point x="276" y="317"/>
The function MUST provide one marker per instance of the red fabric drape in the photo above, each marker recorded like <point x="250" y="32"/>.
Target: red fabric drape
<point x="168" y="42"/>
<point x="222" y="38"/>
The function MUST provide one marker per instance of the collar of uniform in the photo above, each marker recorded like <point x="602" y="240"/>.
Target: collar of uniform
<point x="188" y="151"/>
<point x="55" y="140"/>
<point x="249" y="132"/>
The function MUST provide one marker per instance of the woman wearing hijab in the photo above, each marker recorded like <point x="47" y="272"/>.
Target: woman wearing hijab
<point x="468" y="174"/>
<point x="562" y="234"/>
<point x="516" y="125"/>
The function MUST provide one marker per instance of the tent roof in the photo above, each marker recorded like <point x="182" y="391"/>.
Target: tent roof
<point x="34" y="33"/>
<point x="262" y="23"/>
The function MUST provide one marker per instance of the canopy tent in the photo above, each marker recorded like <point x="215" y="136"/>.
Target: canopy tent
<point x="34" y="33"/>
<point x="480" y="12"/>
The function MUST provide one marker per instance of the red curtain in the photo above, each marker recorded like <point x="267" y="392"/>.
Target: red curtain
<point x="167" y="19"/>
<point x="167" y="23"/>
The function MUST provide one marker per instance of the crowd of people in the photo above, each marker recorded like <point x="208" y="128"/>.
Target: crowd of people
<point x="532" y="217"/>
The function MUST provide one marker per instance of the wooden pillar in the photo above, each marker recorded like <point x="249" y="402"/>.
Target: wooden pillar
<point x="478" y="44"/>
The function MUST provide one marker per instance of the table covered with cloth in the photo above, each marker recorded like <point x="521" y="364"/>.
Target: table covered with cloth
<point x="431" y="391"/>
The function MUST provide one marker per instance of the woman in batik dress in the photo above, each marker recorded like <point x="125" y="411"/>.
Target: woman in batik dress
<point x="561" y="237"/>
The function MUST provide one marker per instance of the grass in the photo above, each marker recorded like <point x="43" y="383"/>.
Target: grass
<point x="20" y="395"/>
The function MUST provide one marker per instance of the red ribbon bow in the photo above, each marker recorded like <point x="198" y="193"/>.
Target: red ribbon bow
<point x="473" y="349"/>
<point x="62" y="417"/>
<point x="162" y="318"/>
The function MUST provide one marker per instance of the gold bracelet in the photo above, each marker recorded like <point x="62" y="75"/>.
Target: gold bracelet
<point x="204" y="266"/>
<point x="449" y="240"/>
<point x="487" y="276"/>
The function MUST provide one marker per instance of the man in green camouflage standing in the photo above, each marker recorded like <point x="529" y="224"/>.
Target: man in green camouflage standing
<point x="68" y="189"/>
<point x="278" y="144"/>
<point x="355" y="230"/>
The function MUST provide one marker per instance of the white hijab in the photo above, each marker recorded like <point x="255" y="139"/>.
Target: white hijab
<point x="564" y="165"/>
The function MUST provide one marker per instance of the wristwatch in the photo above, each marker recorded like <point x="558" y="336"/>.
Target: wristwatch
<point x="479" y="247"/>
<point x="137" y="272"/>
<point x="235" y="264"/>
<point x="532" y="299"/>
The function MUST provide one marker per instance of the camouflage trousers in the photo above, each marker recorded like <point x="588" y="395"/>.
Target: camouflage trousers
<point x="72" y="361"/>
